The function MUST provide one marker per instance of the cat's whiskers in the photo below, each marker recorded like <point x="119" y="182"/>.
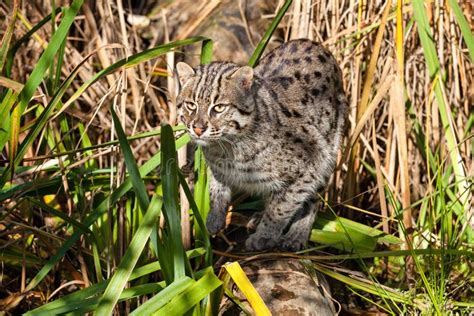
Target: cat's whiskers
<point x="230" y="142"/>
<point x="228" y="152"/>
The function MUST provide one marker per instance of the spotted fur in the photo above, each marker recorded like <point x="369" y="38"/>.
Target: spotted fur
<point x="274" y="130"/>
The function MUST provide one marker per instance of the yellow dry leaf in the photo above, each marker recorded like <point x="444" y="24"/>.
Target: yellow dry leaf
<point x="245" y="286"/>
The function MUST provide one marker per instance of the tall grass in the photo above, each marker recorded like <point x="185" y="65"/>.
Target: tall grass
<point x="91" y="217"/>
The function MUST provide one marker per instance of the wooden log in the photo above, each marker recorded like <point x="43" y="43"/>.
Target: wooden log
<point x="287" y="286"/>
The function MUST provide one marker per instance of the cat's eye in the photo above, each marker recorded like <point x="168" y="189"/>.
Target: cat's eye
<point x="219" y="108"/>
<point x="191" y="107"/>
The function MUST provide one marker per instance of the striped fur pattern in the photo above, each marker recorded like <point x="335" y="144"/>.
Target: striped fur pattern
<point x="274" y="131"/>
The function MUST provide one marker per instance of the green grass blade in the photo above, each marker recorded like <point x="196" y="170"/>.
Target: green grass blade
<point x="7" y="36"/>
<point x="40" y="123"/>
<point x="48" y="55"/>
<point x="96" y="289"/>
<point x="83" y="304"/>
<point x="46" y="115"/>
<point x="464" y="26"/>
<point x="39" y="72"/>
<point x="432" y="62"/>
<point x="101" y="145"/>
<point x="86" y="142"/>
<point x="197" y="213"/>
<point x="6" y="105"/>
<point x="130" y="259"/>
<point x="148" y="167"/>
<point x="138" y="185"/>
<point x="206" y="51"/>
<point x="268" y="34"/>
<point x="58" y="65"/>
<point x="169" y="177"/>
<point x="40" y="186"/>
<point x="156" y="266"/>
<point x="159" y="300"/>
<point x="394" y="253"/>
<point x="71" y="221"/>
<point x="78" y="296"/>
<point x="386" y="292"/>
<point x="201" y="193"/>
<point x="187" y="299"/>
<point x="11" y="256"/>
<point x="131" y="61"/>
<point x="24" y="39"/>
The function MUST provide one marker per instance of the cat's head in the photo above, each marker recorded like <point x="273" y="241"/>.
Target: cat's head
<point x="215" y="100"/>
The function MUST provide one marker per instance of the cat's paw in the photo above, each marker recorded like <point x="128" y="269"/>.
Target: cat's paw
<point x="256" y="242"/>
<point x="215" y="222"/>
<point x="293" y="241"/>
<point x="293" y="245"/>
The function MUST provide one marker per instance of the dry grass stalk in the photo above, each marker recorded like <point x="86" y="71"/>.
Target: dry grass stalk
<point x="193" y="24"/>
<point x="380" y="182"/>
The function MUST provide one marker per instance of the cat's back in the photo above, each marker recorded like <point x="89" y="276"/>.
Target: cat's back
<point x="301" y="65"/>
<point x="301" y="95"/>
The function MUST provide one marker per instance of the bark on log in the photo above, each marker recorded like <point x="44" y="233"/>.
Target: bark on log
<point x="287" y="286"/>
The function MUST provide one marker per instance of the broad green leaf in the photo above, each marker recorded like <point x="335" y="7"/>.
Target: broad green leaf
<point x="328" y="222"/>
<point x="354" y="243"/>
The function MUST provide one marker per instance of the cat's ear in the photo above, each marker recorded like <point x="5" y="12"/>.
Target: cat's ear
<point x="244" y="75"/>
<point x="185" y="72"/>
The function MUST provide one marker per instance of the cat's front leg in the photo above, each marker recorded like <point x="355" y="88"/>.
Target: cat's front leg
<point x="298" y="233"/>
<point x="220" y="199"/>
<point x="280" y="213"/>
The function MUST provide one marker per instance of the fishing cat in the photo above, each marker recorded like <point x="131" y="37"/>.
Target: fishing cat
<point x="272" y="130"/>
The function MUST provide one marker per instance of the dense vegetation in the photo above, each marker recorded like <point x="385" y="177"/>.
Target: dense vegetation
<point x="96" y="214"/>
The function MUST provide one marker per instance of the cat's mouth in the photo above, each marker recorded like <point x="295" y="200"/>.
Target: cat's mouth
<point x="205" y="137"/>
<point x="202" y="140"/>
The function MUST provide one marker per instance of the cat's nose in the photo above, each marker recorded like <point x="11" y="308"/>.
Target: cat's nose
<point x="199" y="128"/>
